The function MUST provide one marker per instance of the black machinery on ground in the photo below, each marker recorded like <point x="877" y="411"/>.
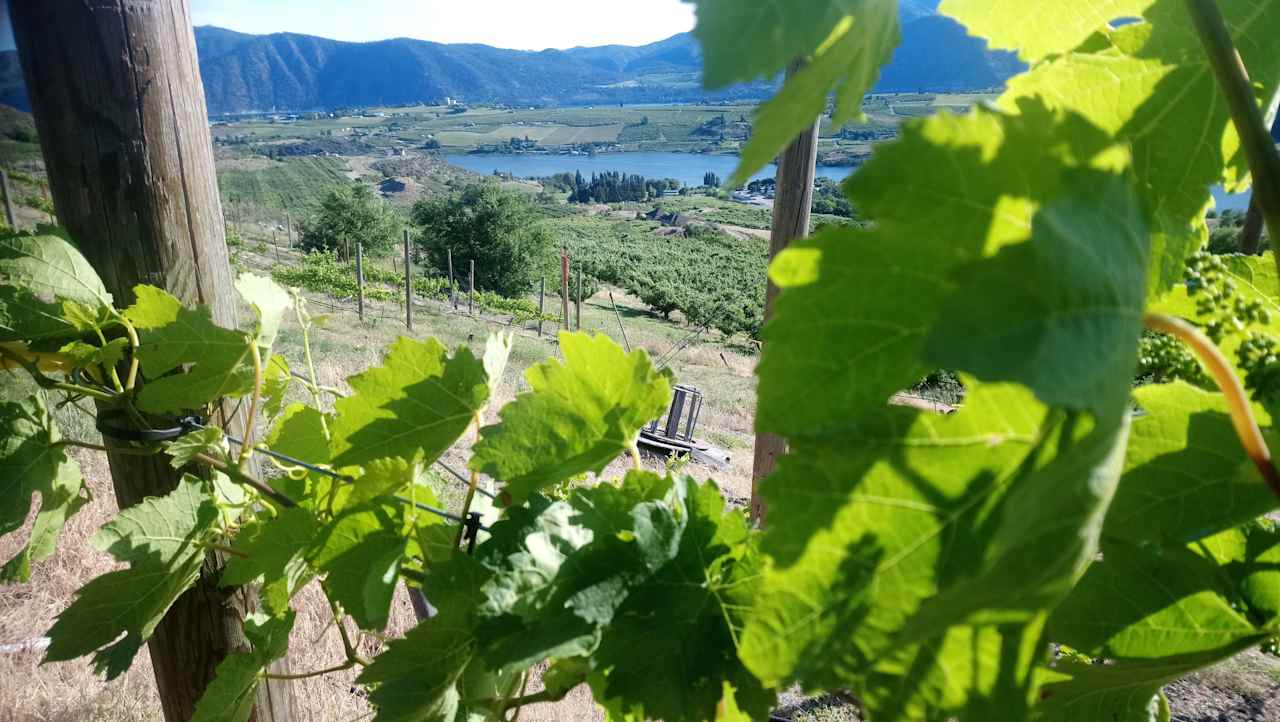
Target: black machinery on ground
<point x="674" y="437"/>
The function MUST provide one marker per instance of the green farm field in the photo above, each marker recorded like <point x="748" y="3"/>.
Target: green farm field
<point x="632" y="127"/>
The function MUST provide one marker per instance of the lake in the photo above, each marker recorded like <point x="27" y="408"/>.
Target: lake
<point x="688" y="168"/>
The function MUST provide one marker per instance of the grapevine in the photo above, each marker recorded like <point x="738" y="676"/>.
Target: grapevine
<point x="926" y="564"/>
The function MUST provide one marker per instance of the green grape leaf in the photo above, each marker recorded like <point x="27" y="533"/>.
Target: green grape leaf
<point x="85" y="317"/>
<point x="163" y="539"/>
<point x="1186" y="475"/>
<point x="581" y="580"/>
<point x="1175" y="603"/>
<point x="276" y="378"/>
<point x="562" y="569"/>
<point x="850" y="326"/>
<point x="674" y="665"/>
<point x="386" y="477"/>
<point x="844" y="44"/>
<point x="497" y="351"/>
<point x="360" y="552"/>
<point x="420" y="399"/>
<point x="172" y="336"/>
<point x="208" y="441"/>
<point x="580" y="415"/>
<point x="230" y="696"/>
<point x="274" y="555"/>
<point x="1123" y="692"/>
<point x="1038" y="550"/>
<point x="300" y="433"/>
<point x="1183" y="608"/>
<point x="527" y="614"/>
<point x="38" y="274"/>
<point x="417" y="678"/>
<point x="31" y="461"/>
<point x="778" y="32"/>
<point x="106" y="355"/>
<point x="1248" y="556"/>
<point x="269" y="301"/>
<point x="865" y="527"/>
<point x="565" y="674"/>
<point x="1061" y="313"/>
<point x="1149" y="84"/>
<point x="1040" y="28"/>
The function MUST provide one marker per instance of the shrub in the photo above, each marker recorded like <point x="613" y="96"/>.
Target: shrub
<point x="493" y="227"/>
<point x="348" y="216"/>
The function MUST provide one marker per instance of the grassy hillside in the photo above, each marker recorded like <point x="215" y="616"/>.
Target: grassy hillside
<point x="18" y="141"/>
<point x="294" y="184"/>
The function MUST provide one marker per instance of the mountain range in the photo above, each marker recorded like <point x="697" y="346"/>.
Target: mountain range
<point x="288" y="72"/>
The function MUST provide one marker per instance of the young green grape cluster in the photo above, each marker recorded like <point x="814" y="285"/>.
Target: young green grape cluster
<point x="1215" y="294"/>
<point x="1259" y="356"/>
<point x="1162" y="359"/>
<point x="1224" y="313"/>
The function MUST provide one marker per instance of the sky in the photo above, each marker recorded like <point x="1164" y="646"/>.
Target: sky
<point x="518" y="24"/>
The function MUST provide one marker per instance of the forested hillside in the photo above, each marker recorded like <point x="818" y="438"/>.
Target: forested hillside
<point x="287" y="71"/>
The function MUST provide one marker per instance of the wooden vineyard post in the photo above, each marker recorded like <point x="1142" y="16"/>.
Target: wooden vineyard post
<point x="471" y="288"/>
<point x="1251" y="234"/>
<point x="791" y="212"/>
<point x="120" y="110"/>
<point x="8" y="201"/>
<point x="408" y="282"/>
<point x="288" y="229"/>
<point x="564" y="289"/>
<point x="626" y="343"/>
<point x="577" y="310"/>
<point x="275" y="243"/>
<point x="453" y="296"/>
<point x="360" y="279"/>
<point x="44" y="193"/>
<point x="542" y="303"/>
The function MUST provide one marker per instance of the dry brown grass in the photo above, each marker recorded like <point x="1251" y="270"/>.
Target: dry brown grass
<point x="66" y="692"/>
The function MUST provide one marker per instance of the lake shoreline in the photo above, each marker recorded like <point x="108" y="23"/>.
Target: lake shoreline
<point x="688" y="168"/>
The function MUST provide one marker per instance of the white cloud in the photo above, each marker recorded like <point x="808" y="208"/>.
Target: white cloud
<point x="520" y="24"/>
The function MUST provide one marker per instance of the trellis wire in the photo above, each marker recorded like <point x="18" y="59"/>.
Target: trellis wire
<point x="472" y="518"/>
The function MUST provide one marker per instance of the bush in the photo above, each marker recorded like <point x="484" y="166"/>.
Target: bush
<point x="495" y="228"/>
<point x="348" y="216"/>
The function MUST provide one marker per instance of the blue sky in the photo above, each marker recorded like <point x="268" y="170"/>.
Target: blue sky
<point x="521" y="24"/>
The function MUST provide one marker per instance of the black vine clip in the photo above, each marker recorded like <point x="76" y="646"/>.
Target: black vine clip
<point x="473" y="531"/>
<point x="116" y="425"/>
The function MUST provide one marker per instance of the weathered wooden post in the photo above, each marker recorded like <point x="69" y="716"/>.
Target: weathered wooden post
<point x="622" y="327"/>
<point x="360" y="279"/>
<point x="408" y="282"/>
<point x="471" y="288"/>
<point x="288" y="228"/>
<point x="792" y="207"/>
<point x="564" y="288"/>
<point x="577" y="310"/>
<point x="542" y="303"/>
<point x="8" y="200"/>
<point x="44" y="193"/>
<point x="118" y="103"/>
<point x="453" y="296"/>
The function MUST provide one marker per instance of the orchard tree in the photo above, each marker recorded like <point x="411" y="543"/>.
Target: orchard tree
<point x="348" y="216"/>
<point x="494" y="227"/>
